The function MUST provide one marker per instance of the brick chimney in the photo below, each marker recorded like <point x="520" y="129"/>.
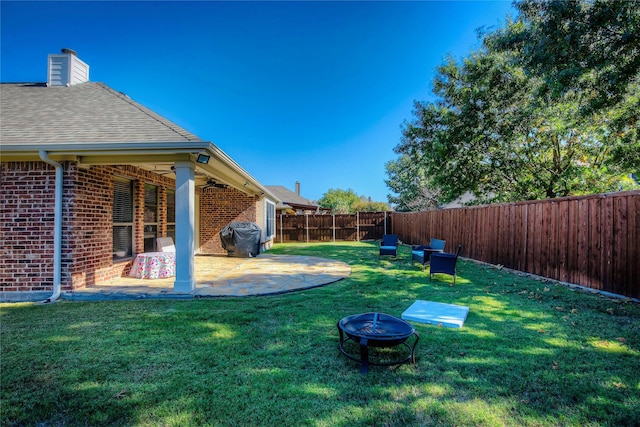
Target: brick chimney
<point x="298" y="188"/>
<point x="66" y="69"/>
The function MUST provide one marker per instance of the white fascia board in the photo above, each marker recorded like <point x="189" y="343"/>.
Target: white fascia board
<point x="102" y="152"/>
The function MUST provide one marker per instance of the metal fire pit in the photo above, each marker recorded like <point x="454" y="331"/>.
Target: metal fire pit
<point x="376" y="330"/>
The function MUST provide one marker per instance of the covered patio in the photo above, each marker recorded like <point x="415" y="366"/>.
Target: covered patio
<point x="222" y="276"/>
<point x="95" y="184"/>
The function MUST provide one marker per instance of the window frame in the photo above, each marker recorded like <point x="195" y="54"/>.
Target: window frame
<point x="116" y="225"/>
<point x="270" y="227"/>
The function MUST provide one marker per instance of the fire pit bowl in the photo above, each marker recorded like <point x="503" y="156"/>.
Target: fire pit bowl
<point x="376" y="330"/>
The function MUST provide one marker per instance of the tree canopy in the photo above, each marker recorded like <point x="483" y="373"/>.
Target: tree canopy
<point x="548" y="107"/>
<point x="348" y="202"/>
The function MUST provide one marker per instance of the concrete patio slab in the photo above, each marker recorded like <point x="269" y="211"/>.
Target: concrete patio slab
<point x="221" y="276"/>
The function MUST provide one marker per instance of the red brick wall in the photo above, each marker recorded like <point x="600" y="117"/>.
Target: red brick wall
<point x="87" y="231"/>
<point x="219" y="207"/>
<point x="26" y="223"/>
<point x="162" y="207"/>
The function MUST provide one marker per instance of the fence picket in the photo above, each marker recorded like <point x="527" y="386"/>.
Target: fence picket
<point x="631" y="264"/>
<point x="597" y="253"/>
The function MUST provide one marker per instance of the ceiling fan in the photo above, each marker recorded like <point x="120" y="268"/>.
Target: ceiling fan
<point x="212" y="183"/>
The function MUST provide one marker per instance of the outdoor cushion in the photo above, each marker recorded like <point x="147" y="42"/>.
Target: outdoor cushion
<point x="422" y="253"/>
<point x="165" y="244"/>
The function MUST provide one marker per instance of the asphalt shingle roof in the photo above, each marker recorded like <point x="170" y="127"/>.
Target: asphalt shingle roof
<point x="33" y="113"/>
<point x="289" y="197"/>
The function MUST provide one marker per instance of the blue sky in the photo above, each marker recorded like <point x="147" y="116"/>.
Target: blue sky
<point x="314" y="92"/>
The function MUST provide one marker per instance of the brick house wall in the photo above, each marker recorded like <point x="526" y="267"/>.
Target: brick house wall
<point x="26" y="222"/>
<point x="27" y="202"/>
<point x="87" y="252"/>
<point x="219" y="207"/>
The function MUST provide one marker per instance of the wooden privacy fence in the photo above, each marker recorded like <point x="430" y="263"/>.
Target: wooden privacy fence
<point x="592" y="241"/>
<point x="331" y="228"/>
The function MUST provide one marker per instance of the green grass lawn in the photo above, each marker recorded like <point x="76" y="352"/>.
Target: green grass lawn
<point x="531" y="353"/>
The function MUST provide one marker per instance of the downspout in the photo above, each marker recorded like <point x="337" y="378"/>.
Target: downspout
<point x="57" y="228"/>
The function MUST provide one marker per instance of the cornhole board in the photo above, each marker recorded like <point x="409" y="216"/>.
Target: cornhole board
<point x="437" y="313"/>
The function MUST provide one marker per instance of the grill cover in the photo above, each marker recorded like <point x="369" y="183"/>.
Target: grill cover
<point x="241" y="239"/>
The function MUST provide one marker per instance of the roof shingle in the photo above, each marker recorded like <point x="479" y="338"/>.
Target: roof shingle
<point x="89" y="112"/>
<point x="290" y="198"/>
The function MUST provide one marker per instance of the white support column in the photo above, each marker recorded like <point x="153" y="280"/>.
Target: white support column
<point x="185" y="220"/>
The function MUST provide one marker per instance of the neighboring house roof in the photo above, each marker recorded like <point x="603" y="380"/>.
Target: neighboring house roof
<point x="95" y="124"/>
<point x="290" y="199"/>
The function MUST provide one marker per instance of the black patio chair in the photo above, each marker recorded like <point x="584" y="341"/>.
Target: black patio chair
<point x="444" y="263"/>
<point x="389" y="245"/>
<point x="422" y="253"/>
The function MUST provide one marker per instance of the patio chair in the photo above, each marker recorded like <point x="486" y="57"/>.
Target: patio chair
<point x="444" y="263"/>
<point x="389" y="245"/>
<point x="422" y="253"/>
<point x="165" y="244"/>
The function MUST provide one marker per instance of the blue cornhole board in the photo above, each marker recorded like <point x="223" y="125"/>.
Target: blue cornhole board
<point x="437" y="313"/>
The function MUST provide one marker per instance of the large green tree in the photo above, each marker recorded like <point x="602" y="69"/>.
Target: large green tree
<point x="339" y="201"/>
<point x="526" y="117"/>
<point x="414" y="191"/>
<point x="369" y="206"/>
<point x="348" y="202"/>
<point x="591" y="48"/>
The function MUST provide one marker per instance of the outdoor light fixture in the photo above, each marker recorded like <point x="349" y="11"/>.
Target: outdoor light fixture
<point x="203" y="158"/>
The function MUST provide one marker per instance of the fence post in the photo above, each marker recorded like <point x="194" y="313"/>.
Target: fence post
<point x="385" y="223"/>
<point x="280" y="228"/>
<point x="306" y="217"/>
<point x="357" y="226"/>
<point x="334" y="227"/>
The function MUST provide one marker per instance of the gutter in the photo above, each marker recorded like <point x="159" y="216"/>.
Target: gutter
<point x="57" y="226"/>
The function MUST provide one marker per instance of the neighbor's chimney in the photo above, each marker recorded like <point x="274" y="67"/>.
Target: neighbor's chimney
<point x="298" y="188"/>
<point x="66" y="69"/>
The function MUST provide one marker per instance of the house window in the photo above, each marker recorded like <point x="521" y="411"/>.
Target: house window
<point x="171" y="214"/>
<point x="271" y="219"/>
<point x="150" y="217"/>
<point x="122" y="219"/>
